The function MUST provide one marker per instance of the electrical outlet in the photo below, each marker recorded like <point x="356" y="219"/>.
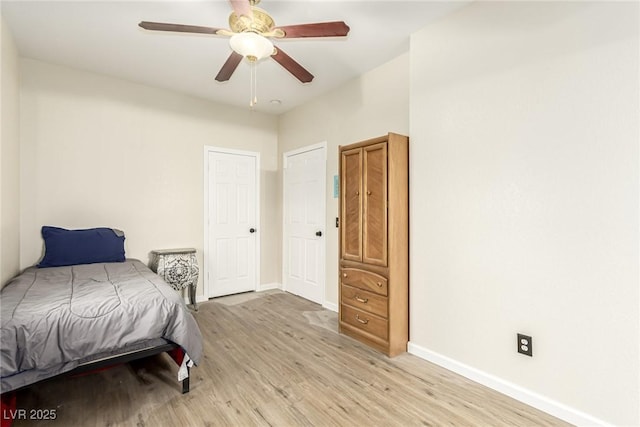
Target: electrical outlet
<point x="525" y="345"/>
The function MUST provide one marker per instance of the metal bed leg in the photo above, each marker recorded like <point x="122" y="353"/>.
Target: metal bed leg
<point x="177" y="354"/>
<point x="185" y="383"/>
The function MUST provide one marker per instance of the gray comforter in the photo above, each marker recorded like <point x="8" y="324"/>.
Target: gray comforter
<point x="54" y="319"/>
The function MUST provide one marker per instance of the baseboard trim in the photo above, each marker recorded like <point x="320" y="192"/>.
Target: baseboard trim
<point x="269" y="286"/>
<point x="515" y="391"/>
<point x="330" y="306"/>
<point x="263" y="287"/>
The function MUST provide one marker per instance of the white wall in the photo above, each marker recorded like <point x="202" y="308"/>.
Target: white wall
<point x="369" y="106"/>
<point x="9" y="158"/>
<point x="98" y="151"/>
<point x="524" y="198"/>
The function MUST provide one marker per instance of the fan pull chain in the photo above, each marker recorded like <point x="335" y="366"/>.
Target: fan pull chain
<point x="253" y="83"/>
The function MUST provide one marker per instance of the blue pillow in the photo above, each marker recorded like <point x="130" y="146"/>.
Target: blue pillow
<point x="70" y="247"/>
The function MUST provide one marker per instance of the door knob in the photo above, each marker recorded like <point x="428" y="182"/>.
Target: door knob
<point x="318" y="233"/>
<point x="252" y="230"/>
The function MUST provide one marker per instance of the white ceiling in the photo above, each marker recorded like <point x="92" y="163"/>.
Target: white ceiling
<point x="103" y="37"/>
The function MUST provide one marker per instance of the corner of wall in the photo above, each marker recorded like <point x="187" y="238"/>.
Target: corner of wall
<point x="9" y="157"/>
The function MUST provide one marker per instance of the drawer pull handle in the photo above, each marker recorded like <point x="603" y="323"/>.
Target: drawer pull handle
<point x="344" y="274"/>
<point x="368" y="193"/>
<point x="363" y="321"/>
<point x="379" y="284"/>
<point x="362" y="300"/>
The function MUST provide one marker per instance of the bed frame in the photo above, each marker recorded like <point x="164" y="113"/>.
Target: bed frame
<point x="174" y="350"/>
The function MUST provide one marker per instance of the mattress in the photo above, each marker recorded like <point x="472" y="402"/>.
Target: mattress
<point x="55" y="319"/>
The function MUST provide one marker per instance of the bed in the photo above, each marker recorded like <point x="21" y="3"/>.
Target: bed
<point x="73" y="318"/>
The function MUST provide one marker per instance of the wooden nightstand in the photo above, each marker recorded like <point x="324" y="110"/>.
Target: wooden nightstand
<point x="179" y="268"/>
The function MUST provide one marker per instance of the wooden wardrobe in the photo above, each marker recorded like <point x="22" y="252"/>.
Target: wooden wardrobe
<point x="374" y="242"/>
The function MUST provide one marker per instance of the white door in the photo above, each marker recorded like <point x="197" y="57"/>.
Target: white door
<point x="304" y="222"/>
<point x="232" y="259"/>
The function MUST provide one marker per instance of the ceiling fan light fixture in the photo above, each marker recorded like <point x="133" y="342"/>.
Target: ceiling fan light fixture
<point x="251" y="45"/>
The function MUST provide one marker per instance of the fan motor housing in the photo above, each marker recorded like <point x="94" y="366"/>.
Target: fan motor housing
<point x="262" y="22"/>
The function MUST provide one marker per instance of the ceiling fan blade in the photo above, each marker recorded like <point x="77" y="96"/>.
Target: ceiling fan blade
<point x="319" y="29"/>
<point x="229" y="67"/>
<point x="179" y="28"/>
<point x="241" y="7"/>
<point x="292" y="66"/>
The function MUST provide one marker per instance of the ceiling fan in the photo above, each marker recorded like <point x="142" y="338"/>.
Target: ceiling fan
<point x="250" y="31"/>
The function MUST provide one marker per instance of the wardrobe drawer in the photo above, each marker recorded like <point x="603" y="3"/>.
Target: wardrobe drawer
<point x="365" y="321"/>
<point x="365" y="300"/>
<point x="364" y="280"/>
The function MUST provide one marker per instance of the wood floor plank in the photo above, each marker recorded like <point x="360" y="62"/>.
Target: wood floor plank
<point x="274" y="359"/>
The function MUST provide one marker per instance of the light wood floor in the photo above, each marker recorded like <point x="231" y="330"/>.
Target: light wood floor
<point x="273" y="359"/>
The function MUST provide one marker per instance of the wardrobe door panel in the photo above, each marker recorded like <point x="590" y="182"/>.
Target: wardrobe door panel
<point x="374" y="236"/>
<point x="351" y="200"/>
